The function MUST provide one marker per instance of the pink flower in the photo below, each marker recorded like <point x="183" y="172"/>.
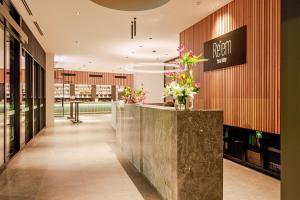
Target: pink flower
<point x="167" y="73"/>
<point x="191" y="53"/>
<point x="197" y="85"/>
<point x="179" y="71"/>
<point x="180" y="49"/>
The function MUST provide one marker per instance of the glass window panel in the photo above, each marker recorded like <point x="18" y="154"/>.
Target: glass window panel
<point x="2" y="95"/>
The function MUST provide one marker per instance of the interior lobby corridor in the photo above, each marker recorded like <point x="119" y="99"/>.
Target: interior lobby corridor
<point x="69" y="163"/>
<point x="149" y="100"/>
<point x="78" y="162"/>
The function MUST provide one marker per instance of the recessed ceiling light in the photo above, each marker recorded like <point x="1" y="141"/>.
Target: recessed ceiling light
<point x="133" y="52"/>
<point x="198" y="3"/>
<point x="154" y="51"/>
<point x="90" y="62"/>
<point x="76" y="42"/>
<point x="141" y="46"/>
<point x="166" y="54"/>
<point x="150" y="38"/>
<point x="83" y="65"/>
<point x="77" y="13"/>
<point x="126" y="57"/>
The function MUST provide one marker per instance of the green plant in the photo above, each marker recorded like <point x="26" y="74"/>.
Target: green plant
<point x="259" y="134"/>
<point x="127" y="92"/>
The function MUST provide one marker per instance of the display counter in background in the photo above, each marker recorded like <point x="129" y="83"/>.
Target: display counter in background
<point x="84" y="108"/>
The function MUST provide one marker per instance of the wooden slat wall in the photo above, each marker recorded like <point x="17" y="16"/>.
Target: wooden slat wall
<point x="249" y="94"/>
<point x="82" y="77"/>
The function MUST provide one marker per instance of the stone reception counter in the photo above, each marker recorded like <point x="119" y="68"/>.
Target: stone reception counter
<point x="179" y="152"/>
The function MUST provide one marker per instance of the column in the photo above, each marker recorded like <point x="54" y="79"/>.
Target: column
<point x="49" y="89"/>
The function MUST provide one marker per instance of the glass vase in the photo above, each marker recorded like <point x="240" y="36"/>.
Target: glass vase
<point x="184" y="103"/>
<point x="179" y="105"/>
<point x="189" y="103"/>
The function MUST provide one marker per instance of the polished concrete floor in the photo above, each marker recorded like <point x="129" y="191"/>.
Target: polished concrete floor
<point x="78" y="162"/>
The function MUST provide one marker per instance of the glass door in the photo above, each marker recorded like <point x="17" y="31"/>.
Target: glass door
<point x="2" y="95"/>
<point x="28" y="101"/>
<point x="22" y="100"/>
<point x="12" y="90"/>
<point x="43" y="98"/>
<point x="36" y="107"/>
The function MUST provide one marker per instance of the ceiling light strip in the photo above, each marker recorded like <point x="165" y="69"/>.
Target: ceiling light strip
<point x="38" y="28"/>
<point x="136" y="68"/>
<point x="27" y="7"/>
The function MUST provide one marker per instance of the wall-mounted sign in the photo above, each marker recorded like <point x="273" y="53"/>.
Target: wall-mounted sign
<point x="227" y="50"/>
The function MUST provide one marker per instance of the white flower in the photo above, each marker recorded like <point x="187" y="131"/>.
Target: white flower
<point x="167" y="92"/>
<point x="177" y="91"/>
<point x="174" y="90"/>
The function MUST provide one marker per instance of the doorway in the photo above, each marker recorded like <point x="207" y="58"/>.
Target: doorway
<point x="12" y="95"/>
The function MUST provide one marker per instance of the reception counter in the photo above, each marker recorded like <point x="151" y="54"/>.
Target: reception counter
<point x="180" y="153"/>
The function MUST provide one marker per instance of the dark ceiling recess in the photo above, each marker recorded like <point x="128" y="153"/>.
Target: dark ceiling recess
<point x="27" y="7"/>
<point x="38" y="28"/>
<point x="68" y="74"/>
<point x="95" y="76"/>
<point x="121" y="77"/>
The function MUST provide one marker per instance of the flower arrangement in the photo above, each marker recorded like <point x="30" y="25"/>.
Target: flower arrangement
<point x="134" y="96"/>
<point x="127" y="94"/>
<point x="140" y="95"/>
<point x="182" y="86"/>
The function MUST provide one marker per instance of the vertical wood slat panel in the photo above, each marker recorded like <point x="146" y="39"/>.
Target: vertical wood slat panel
<point x="249" y="94"/>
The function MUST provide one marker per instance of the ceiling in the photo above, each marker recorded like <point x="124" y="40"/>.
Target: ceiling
<point x="85" y="36"/>
<point x="131" y="5"/>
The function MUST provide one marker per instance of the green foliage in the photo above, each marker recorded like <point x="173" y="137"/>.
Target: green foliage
<point x="127" y="91"/>
<point x="259" y="134"/>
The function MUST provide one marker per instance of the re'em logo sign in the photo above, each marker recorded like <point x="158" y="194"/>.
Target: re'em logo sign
<point x="227" y="50"/>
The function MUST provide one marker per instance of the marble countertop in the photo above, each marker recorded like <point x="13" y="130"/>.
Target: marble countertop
<point x="173" y="109"/>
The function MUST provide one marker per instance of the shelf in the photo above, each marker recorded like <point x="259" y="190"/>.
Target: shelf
<point x="274" y="150"/>
<point x="254" y="148"/>
<point x="263" y="154"/>
<point x="260" y="169"/>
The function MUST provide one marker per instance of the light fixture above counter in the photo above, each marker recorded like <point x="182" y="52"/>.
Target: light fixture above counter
<point x="152" y="68"/>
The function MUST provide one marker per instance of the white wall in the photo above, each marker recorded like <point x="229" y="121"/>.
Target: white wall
<point x="49" y="89"/>
<point x="153" y="84"/>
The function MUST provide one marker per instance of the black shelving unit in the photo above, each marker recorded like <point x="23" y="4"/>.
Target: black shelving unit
<point x="254" y="149"/>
